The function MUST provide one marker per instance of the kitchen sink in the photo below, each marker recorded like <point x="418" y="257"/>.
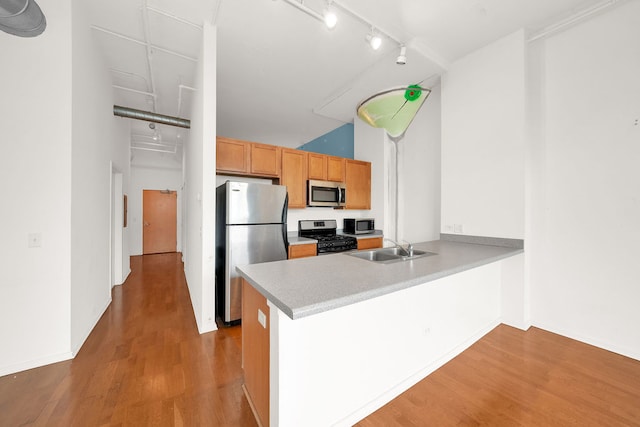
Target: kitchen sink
<point x="389" y="255"/>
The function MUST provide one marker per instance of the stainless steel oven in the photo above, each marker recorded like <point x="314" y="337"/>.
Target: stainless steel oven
<point x="326" y="193"/>
<point x="324" y="232"/>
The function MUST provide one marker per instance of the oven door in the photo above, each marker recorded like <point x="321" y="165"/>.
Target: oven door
<point x="326" y="193"/>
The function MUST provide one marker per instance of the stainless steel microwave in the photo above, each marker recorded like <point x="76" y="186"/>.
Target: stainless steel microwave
<point x="326" y="193"/>
<point x="358" y="225"/>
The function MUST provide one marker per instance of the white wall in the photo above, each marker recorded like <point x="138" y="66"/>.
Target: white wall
<point x="35" y="114"/>
<point x="62" y="140"/>
<point x="586" y="277"/>
<point x="369" y="145"/>
<point x="483" y="140"/>
<point x="420" y="174"/>
<point x="151" y="178"/>
<point x="97" y="142"/>
<point x="315" y="382"/>
<point x="199" y="187"/>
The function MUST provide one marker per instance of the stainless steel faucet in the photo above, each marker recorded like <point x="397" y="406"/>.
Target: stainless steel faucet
<point x="408" y="251"/>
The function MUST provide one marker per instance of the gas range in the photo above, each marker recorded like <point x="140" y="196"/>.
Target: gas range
<point x="324" y="231"/>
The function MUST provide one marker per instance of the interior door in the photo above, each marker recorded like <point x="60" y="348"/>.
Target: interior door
<point x="159" y="209"/>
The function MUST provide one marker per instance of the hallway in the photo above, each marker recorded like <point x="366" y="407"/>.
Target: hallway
<point x="144" y="364"/>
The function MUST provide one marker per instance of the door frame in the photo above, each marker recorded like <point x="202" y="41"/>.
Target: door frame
<point x="116" y="245"/>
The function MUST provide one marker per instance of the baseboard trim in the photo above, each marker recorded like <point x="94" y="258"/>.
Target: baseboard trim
<point x="409" y="382"/>
<point x="87" y="332"/>
<point x="626" y="352"/>
<point x="251" y="405"/>
<point x="35" y="363"/>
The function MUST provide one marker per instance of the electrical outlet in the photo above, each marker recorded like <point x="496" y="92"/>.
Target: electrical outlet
<point x="262" y="319"/>
<point x="35" y="240"/>
<point x="457" y="228"/>
<point x="448" y="228"/>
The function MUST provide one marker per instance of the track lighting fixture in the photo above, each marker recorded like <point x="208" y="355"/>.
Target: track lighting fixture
<point x="330" y="17"/>
<point x="374" y="40"/>
<point x="402" y="58"/>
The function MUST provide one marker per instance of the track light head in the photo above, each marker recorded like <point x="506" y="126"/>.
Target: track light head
<point x="374" y="41"/>
<point x="402" y="58"/>
<point x="330" y="19"/>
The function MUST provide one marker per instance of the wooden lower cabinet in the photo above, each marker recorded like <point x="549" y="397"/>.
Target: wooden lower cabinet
<point x="370" y="243"/>
<point x="255" y="351"/>
<point x="302" y="251"/>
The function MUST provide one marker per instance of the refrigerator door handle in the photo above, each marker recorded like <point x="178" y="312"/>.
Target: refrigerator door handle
<point x="285" y="239"/>
<point x="285" y="208"/>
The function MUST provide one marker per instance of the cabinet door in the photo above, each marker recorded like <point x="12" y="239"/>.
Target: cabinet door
<point x="335" y="168"/>
<point x="265" y="159"/>
<point x="255" y="350"/>
<point x="294" y="176"/>
<point x="317" y="166"/>
<point x="358" y="181"/>
<point x="302" y="251"/>
<point x="370" y="243"/>
<point x="232" y="155"/>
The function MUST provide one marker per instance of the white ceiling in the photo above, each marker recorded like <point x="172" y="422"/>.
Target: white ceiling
<point x="282" y="77"/>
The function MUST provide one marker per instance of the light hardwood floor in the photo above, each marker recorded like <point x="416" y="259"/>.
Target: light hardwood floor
<point x="146" y="365"/>
<point x="516" y="378"/>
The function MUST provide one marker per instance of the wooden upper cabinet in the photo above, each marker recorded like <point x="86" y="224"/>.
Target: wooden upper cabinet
<point x="265" y="160"/>
<point x="358" y="182"/>
<point x="232" y="155"/>
<point x="335" y="168"/>
<point x="294" y="176"/>
<point x="326" y="168"/>
<point x="317" y="166"/>
<point x="294" y="167"/>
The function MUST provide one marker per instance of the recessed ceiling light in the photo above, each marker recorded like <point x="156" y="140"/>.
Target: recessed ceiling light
<point x="22" y="18"/>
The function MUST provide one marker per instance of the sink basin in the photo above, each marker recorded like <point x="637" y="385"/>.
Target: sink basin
<point x="389" y="255"/>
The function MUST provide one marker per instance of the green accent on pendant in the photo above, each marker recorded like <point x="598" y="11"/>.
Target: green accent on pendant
<point x="412" y="93"/>
<point x="393" y="109"/>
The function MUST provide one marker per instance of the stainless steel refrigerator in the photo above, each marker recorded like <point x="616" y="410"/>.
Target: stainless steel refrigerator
<point x="251" y="227"/>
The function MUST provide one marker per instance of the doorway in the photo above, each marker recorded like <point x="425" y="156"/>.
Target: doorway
<point x="159" y="221"/>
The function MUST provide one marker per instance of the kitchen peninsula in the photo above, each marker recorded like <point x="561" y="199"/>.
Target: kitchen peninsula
<point x="327" y="340"/>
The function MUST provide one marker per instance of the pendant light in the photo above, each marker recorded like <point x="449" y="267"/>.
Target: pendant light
<point x="22" y="18"/>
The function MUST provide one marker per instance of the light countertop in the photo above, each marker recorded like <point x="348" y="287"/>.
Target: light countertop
<point x="306" y="286"/>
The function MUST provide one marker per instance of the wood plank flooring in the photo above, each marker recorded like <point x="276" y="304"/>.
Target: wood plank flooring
<point x="516" y="378"/>
<point x="145" y="364"/>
